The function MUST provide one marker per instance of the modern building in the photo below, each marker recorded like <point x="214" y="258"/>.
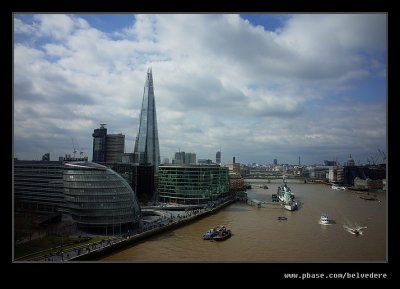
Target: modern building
<point x="329" y="163"/>
<point x="147" y="149"/>
<point x="234" y="167"/>
<point x="190" y="158"/>
<point x="99" y="144"/>
<point x="115" y="148"/>
<point x="192" y="184"/>
<point x="218" y="158"/>
<point x="204" y="161"/>
<point x="317" y="172"/>
<point x="46" y="157"/>
<point x="275" y="162"/>
<point x="38" y="186"/>
<point x="335" y="174"/>
<point x="180" y="158"/>
<point x="99" y="199"/>
<point x="128" y="158"/>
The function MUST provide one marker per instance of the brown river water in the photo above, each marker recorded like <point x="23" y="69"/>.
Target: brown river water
<point x="258" y="235"/>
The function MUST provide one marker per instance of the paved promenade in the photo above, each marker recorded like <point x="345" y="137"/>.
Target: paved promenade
<point x="165" y="220"/>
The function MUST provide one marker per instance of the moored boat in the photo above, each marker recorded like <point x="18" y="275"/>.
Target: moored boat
<point x="286" y="197"/>
<point x="336" y="187"/>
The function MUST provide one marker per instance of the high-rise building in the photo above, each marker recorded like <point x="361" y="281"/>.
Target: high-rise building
<point x="46" y="157"/>
<point x="275" y="162"/>
<point x="218" y="158"/>
<point x="180" y="158"/>
<point x="99" y="144"/>
<point x="147" y="149"/>
<point x="115" y="148"/>
<point x="190" y="158"/>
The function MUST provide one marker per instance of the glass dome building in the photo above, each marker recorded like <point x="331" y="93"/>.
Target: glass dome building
<point x="99" y="199"/>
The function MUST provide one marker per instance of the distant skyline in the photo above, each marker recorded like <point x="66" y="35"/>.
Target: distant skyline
<point x="257" y="86"/>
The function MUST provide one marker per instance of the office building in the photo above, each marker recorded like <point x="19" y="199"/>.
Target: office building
<point x="99" y="144"/>
<point x="218" y="158"/>
<point x="115" y="148"/>
<point x="180" y="158"/>
<point x="38" y="186"/>
<point x="190" y="158"/>
<point x="192" y="184"/>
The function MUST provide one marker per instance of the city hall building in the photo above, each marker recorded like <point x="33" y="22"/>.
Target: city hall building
<point x="98" y="198"/>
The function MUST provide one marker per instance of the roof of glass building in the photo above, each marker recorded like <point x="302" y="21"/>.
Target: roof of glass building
<point x="85" y="165"/>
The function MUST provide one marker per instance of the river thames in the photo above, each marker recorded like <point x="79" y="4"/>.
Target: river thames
<point x="258" y="235"/>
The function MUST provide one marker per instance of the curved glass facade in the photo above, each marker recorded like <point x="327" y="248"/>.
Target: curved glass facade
<point x="197" y="184"/>
<point x="97" y="197"/>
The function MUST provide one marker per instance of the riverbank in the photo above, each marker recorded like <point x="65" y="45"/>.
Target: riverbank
<point x="98" y="252"/>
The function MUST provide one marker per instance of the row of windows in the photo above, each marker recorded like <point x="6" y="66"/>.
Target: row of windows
<point x="18" y="189"/>
<point x="100" y="185"/>
<point x="99" y="199"/>
<point x="193" y="184"/>
<point x="189" y="191"/>
<point x="91" y="171"/>
<point x="35" y="171"/>
<point x="99" y="206"/>
<point x="91" y="178"/>
<point x="97" y="192"/>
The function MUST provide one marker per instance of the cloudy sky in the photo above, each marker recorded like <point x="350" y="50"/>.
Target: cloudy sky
<point x="258" y="86"/>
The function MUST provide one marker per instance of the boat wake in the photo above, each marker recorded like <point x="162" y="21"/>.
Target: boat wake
<point x="355" y="230"/>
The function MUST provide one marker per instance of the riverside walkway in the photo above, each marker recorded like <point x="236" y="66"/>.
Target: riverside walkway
<point x="166" y="221"/>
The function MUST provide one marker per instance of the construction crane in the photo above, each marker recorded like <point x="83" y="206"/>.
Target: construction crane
<point x="73" y="145"/>
<point x="383" y="155"/>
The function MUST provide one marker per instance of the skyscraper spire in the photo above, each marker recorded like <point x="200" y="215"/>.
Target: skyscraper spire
<point x="146" y="146"/>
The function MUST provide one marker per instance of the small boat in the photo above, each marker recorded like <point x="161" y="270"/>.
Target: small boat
<point x="282" y="218"/>
<point x="324" y="220"/>
<point x="209" y="234"/>
<point x="218" y="233"/>
<point x="336" y="187"/>
<point x="222" y="235"/>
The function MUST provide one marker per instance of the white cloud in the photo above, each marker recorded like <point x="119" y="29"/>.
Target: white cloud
<point x="219" y="81"/>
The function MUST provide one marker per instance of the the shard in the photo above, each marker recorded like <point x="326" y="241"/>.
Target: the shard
<point x="147" y="150"/>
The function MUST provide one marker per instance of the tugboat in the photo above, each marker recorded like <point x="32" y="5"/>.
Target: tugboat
<point x="222" y="234"/>
<point x="286" y="197"/>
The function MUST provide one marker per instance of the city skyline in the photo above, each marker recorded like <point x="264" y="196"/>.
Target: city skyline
<point x="258" y="87"/>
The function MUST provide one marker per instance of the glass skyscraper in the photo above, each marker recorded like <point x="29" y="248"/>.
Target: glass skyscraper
<point x="147" y="150"/>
